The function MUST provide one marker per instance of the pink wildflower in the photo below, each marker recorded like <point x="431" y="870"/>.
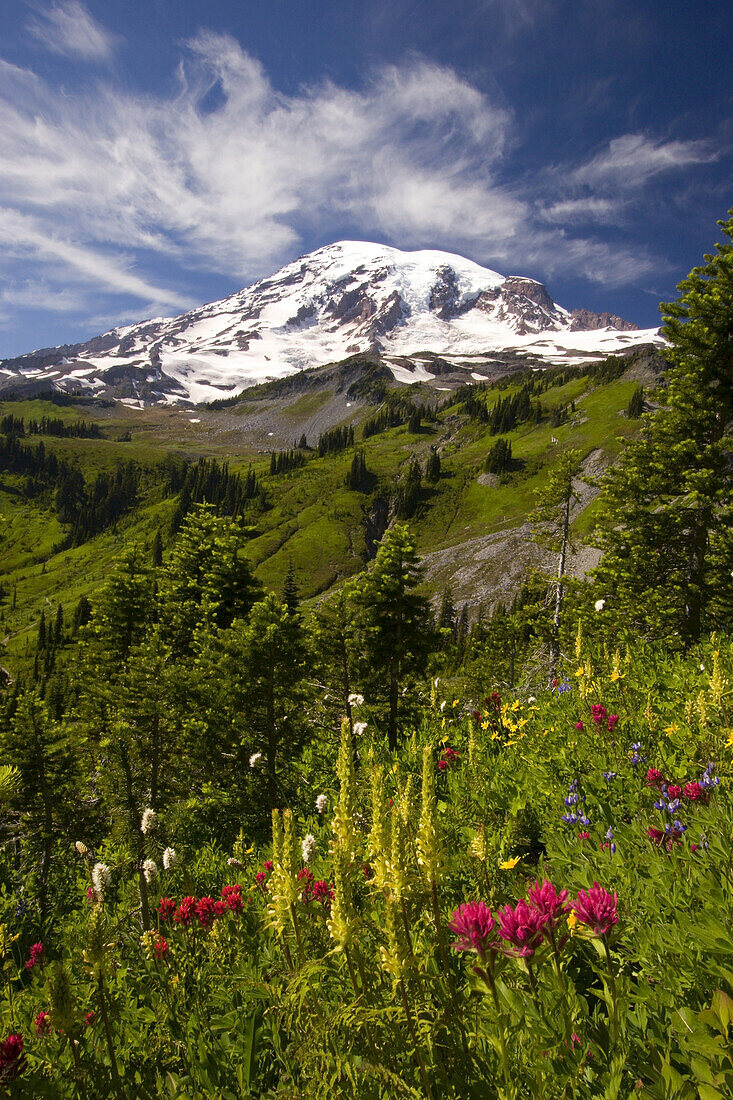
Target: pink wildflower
<point x="161" y="947"/>
<point x="37" y="952"/>
<point x="322" y="891"/>
<point x="12" y="1059"/>
<point x="579" y="726"/>
<point x="185" y="911"/>
<point x="693" y="792"/>
<point x="260" y="877"/>
<point x="442" y="765"/>
<point x="654" y="777"/>
<point x="42" y="1024"/>
<point x="596" y="908"/>
<point x="206" y="912"/>
<point x="583" y="836"/>
<point x="549" y="903"/>
<point x="166" y="908"/>
<point x="473" y="924"/>
<point x="522" y="927"/>
<point x="232" y="896"/>
<point x="90" y="1018"/>
<point x="612" y="722"/>
<point x="674" y="790"/>
<point x="268" y="865"/>
<point x="655" y="835"/>
<point x="598" y="713"/>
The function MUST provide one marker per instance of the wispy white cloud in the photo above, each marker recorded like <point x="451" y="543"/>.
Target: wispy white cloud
<point x="22" y="234"/>
<point x="632" y="159"/>
<point x="591" y="208"/>
<point x="228" y="174"/>
<point x="68" y="28"/>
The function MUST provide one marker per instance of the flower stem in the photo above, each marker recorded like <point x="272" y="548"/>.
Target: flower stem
<point x="614" y="1000"/>
<point x="502" y="1037"/>
<point x="296" y="927"/>
<point x="413" y="1036"/>
<point x="108" y="1035"/>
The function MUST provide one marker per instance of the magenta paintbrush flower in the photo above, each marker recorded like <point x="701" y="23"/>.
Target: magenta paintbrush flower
<point x="549" y="903"/>
<point x="523" y="927"/>
<point x="596" y="908"/>
<point x="473" y="923"/>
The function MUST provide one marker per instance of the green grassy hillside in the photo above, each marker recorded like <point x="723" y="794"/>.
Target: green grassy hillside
<point x="311" y="518"/>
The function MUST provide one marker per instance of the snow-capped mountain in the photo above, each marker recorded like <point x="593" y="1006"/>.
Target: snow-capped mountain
<point x="348" y="297"/>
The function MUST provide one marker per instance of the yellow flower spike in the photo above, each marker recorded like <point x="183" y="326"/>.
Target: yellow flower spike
<point x="429" y="840"/>
<point x="509" y="864"/>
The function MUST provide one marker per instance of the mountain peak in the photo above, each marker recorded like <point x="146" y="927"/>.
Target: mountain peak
<point x="343" y="298"/>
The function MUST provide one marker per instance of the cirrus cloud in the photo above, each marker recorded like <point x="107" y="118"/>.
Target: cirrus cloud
<point x="226" y="174"/>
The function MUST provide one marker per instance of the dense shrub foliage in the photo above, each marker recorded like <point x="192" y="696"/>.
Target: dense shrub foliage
<point x="531" y="896"/>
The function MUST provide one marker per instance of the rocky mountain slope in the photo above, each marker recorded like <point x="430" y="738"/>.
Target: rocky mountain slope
<point x="350" y="297"/>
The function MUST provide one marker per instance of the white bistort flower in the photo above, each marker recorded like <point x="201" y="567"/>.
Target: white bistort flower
<point x="148" y="821"/>
<point x="599" y="605"/>
<point x="81" y="847"/>
<point x="255" y="759"/>
<point x="356" y="700"/>
<point x="308" y="847"/>
<point x="321" y="803"/>
<point x="150" y="870"/>
<point x="359" y="728"/>
<point x="101" y="878"/>
<point x="170" y="859"/>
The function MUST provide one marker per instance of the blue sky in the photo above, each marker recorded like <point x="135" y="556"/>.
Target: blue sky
<point x="157" y="155"/>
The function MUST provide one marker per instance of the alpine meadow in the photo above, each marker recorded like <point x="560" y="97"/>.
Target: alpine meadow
<point x="366" y="700"/>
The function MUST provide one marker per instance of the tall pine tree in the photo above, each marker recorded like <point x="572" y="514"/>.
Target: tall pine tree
<point x="667" y="523"/>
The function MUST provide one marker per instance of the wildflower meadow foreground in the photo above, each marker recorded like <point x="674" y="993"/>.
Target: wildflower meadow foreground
<point x="531" y="897"/>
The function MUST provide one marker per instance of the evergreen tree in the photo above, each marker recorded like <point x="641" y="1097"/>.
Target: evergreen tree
<point x="358" y="477"/>
<point x="636" y="404"/>
<point x="205" y="578"/>
<point x="335" y="648"/>
<point x="407" y="496"/>
<point x="291" y="596"/>
<point x="157" y="550"/>
<point x="42" y="753"/>
<point x="667" y="519"/>
<point x="447" y="613"/>
<point x="394" y="623"/>
<point x="499" y="457"/>
<point x="265" y="661"/>
<point x="432" y="467"/>
<point x="82" y="614"/>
